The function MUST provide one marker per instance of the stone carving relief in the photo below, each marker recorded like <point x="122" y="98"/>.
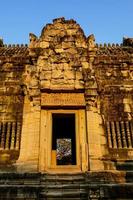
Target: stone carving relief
<point x="60" y="59"/>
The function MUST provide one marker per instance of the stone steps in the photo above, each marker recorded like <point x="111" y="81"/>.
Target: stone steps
<point x="116" y="185"/>
<point x="65" y="194"/>
<point x="64" y="186"/>
<point x="79" y="187"/>
<point x="124" y="166"/>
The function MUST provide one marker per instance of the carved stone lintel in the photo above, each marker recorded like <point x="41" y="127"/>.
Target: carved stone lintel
<point x="62" y="99"/>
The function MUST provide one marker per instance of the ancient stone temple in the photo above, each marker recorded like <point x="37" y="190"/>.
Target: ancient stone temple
<point x="66" y="117"/>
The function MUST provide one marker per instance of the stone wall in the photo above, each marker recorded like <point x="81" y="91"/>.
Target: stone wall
<point x="114" y="73"/>
<point x="12" y="61"/>
<point x="113" y="67"/>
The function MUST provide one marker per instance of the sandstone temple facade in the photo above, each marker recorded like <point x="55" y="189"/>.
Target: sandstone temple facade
<point x="66" y="117"/>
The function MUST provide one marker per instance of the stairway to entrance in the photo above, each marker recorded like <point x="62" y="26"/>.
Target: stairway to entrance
<point x="87" y="186"/>
<point x="63" y="187"/>
<point x="104" y="185"/>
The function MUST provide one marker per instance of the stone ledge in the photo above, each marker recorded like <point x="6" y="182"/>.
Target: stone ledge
<point x="92" y="185"/>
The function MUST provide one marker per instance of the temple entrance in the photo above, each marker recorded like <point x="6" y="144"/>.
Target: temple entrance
<point x="64" y="139"/>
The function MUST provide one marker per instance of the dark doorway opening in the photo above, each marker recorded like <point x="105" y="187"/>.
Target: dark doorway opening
<point x="64" y="138"/>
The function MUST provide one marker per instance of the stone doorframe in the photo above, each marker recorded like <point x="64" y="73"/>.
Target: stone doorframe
<point x="45" y="155"/>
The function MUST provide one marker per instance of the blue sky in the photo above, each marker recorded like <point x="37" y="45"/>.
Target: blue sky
<point x="108" y="20"/>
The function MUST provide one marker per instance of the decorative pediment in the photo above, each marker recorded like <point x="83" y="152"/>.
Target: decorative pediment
<point x="62" y="51"/>
<point x="62" y="59"/>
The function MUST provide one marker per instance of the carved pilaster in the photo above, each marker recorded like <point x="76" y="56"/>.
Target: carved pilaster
<point x="13" y="135"/>
<point x="18" y="134"/>
<point x="8" y="132"/>
<point x="113" y="135"/>
<point x="123" y="135"/>
<point x="109" y="135"/>
<point x="131" y="128"/>
<point x="3" y="135"/>
<point x="128" y="134"/>
<point x="118" y="135"/>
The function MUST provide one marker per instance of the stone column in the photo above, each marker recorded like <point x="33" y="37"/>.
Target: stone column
<point x="95" y="133"/>
<point x="29" y="148"/>
<point x="83" y="140"/>
<point x="44" y="140"/>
